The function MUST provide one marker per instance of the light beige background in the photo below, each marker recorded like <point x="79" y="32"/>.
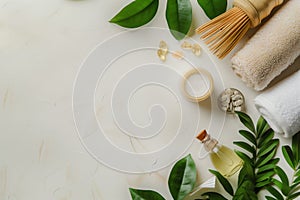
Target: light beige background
<point x="42" y="45"/>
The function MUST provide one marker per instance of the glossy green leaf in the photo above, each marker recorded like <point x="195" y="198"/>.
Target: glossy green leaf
<point x="276" y="182"/>
<point x="268" y="147"/>
<point x="265" y="175"/>
<point x="284" y="184"/>
<point x="249" y="136"/>
<point x="270" y="198"/>
<point x="296" y="182"/>
<point x="265" y="159"/>
<point x="288" y="155"/>
<point x="246" y="191"/>
<point x="296" y="147"/>
<point x="244" y="157"/>
<point x="285" y="190"/>
<point x="264" y="183"/>
<point x="275" y="193"/>
<point x="274" y="161"/>
<point x="264" y="131"/>
<point x="266" y="168"/>
<point x="145" y="195"/>
<point x="182" y="178"/>
<point x="293" y="196"/>
<point x="179" y="17"/>
<point x="136" y="14"/>
<point x="214" y="196"/>
<point x="294" y="185"/>
<point x="246" y="173"/>
<point x="213" y="8"/>
<point x="265" y="138"/>
<point x="282" y="175"/>
<point x="245" y="146"/>
<point x="261" y="126"/>
<point x="246" y="120"/>
<point x="224" y="182"/>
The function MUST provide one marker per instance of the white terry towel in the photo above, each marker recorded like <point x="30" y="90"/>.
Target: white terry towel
<point x="272" y="49"/>
<point x="280" y="105"/>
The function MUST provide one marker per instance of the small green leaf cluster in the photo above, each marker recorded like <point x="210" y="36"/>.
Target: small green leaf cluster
<point x="178" y="14"/>
<point x="260" y="167"/>
<point x="259" y="162"/>
<point x="181" y="182"/>
<point x="287" y="190"/>
<point x="262" y="149"/>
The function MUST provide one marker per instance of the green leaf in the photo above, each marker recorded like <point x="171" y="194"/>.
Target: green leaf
<point x="293" y="196"/>
<point x="266" y="168"/>
<point x="275" y="193"/>
<point x="294" y="185"/>
<point x="144" y="195"/>
<point x="249" y="136"/>
<point x="288" y="155"/>
<point x="262" y="130"/>
<point x="268" y="147"/>
<point x="245" y="146"/>
<point x="179" y="17"/>
<point x="246" y="191"/>
<point x="263" y="183"/>
<point x="276" y="182"/>
<point x="295" y="182"/>
<point x="265" y="159"/>
<point x="261" y="126"/>
<point x="213" y="8"/>
<point x="263" y="176"/>
<point x="246" y="173"/>
<point x="296" y="147"/>
<point x="282" y="175"/>
<point x="265" y="138"/>
<point x="246" y="120"/>
<point x="274" y="161"/>
<point x="270" y="198"/>
<point x="137" y="13"/>
<point x="182" y="178"/>
<point x="214" y="196"/>
<point x="224" y="182"/>
<point x="244" y="157"/>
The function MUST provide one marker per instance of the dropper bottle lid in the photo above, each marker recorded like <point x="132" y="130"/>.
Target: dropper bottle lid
<point x="203" y="136"/>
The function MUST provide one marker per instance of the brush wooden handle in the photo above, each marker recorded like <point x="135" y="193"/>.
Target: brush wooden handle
<point x="257" y="10"/>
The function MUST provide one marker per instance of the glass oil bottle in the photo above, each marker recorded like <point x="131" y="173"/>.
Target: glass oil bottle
<point x="223" y="158"/>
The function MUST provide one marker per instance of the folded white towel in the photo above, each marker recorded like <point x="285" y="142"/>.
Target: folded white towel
<point x="280" y="105"/>
<point x="272" y="49"/>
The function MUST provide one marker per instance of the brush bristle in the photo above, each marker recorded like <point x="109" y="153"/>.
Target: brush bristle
<point x="224" y="32"/>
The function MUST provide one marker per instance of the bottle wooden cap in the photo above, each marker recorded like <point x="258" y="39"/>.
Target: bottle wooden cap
<point x="202" y="135"/>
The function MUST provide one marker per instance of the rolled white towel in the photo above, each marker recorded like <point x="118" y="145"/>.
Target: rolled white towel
<point x="280" y="105"/>
<point x="272" y="49"/>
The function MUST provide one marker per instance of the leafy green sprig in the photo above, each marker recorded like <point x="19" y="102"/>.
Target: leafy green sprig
<point x="287" y="190"/>
<point x="259" y="162"/>
<point x="178" y="14"/>
<point x="262" y="150"/>
<point x="261" y="167"/>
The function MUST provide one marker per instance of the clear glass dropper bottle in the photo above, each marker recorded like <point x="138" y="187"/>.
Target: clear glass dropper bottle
<point x="223" y="158"/>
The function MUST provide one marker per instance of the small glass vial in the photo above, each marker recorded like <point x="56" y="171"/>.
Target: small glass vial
<point x="223" y="158"/>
